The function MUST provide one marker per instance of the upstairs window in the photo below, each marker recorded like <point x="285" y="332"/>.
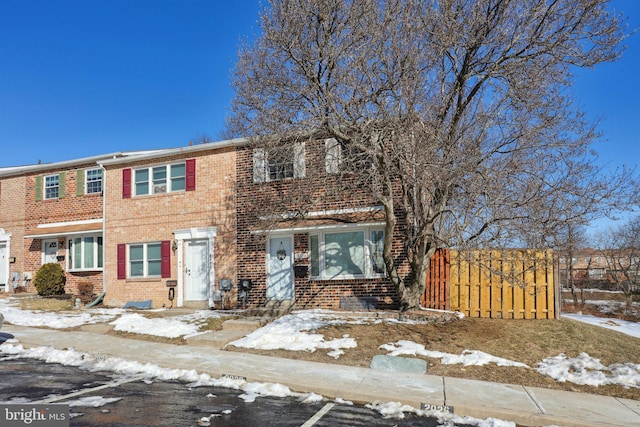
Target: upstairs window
<point x="341" y="157"/>
<point x="51" y="186"/>
<point x="279" y="163"/>
<point x="160" y="179"/>
<point x="93" y="181"/>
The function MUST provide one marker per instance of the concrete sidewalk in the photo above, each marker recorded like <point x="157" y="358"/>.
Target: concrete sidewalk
<point x="529" y="406"/>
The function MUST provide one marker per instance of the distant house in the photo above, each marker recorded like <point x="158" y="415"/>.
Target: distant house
<point x="591" y="268"/>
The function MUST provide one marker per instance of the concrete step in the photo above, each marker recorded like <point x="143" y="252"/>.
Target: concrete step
<point x="216" y="339"/>
<point x="246" y="324"/>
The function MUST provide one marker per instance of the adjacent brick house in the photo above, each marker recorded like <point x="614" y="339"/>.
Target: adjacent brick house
<point x="53" y="213"/>
<point x="321" y="246"/>
<point x="12" y="223"/>
<point x="171" y="228"/>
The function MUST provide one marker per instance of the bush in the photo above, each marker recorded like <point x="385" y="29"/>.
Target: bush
<point x="49" y="280"/>
<point x="85" y="291"/>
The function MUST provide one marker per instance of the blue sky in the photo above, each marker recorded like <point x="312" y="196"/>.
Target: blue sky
<point x="85" y="77"/>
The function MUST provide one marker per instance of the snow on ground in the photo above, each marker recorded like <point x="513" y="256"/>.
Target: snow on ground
<point x="174" y="327"/>
<point x="251" y="390"/>
<point x="626" y="327"/>
<point x="587" y="370"/>
<point x="296" y="331"/>
<point x="467" y="358"/>
<point x="14" y="315"/>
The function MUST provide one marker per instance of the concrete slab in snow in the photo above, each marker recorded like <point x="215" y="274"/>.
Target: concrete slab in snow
<point x="398" y="364"/>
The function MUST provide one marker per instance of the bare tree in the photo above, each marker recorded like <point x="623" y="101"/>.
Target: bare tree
<point x="620" y="248"/>
<point x="573" y="241"/>
<point x="460" y="110"/>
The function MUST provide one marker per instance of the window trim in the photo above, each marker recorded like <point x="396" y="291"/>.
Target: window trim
<point x="145" y="260"/>
<point x="124" y="260"/>
<point x="87" y="181"/>
<point x="262" y="167"/>
<point x="45" y="187"/>
<point x="321" y="255"/>
<point x="96" y="253"/>
<point x="168" y="179"/>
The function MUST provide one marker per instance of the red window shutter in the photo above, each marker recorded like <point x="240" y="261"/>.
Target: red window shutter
<point x="126" y="183"/>
<point x="122" y="261"/>
<point x="165" y="254"/>
<point x="191" y="174"/>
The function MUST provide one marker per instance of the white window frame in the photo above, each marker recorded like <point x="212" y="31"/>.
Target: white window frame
<point x="368" y="273"/>
<point x="46" y="186"/>
<point x="145" y="260"/>
<point x="262" y="167"/>
<point x="92" y="180"/>
<point x="97" y="258"/>
<point x="160" y="186"/>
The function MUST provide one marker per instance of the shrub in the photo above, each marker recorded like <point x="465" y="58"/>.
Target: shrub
<point x="50" y="280"/>
<point x="85" y="291"/>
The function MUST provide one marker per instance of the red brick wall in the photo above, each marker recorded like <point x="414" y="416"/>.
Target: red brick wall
<point x="68" y="208"/>
<point x="152" y="218"/>
<point x="12" y="219"/>
<point x="322" y="193"/>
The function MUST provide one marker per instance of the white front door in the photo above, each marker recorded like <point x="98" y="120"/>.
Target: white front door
<point x="3" y="264"/>
<point x="50" y="249"/>
<point x="280" y="269"/>
<point x="196" y="270"/>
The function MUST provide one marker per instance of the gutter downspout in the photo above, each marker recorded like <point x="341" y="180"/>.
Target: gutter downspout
<point x="104" y="227"/>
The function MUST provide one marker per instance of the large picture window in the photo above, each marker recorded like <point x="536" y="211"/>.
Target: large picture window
<point x="84" y="253"/>
<point x="160" y="179"/>
<point x="342" y="254"/>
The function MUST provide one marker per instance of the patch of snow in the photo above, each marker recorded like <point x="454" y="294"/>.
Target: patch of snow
<point x="626" y="327"/>
<point x="294" y="332"/>
<point x="62" y="320"/>
<point x="92" y="401"/>
<point x="587" y="370"/>
<point x="397" y="410"/>
<point x="467" y="358"/>
<point x="138" y="324"/>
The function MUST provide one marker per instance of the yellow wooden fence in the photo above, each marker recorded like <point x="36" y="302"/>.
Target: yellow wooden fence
<point x="508" y="284"/>
<point x="502" y="284"/>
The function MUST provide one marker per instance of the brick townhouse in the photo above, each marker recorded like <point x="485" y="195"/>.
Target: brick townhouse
<point x="52" y="213"/>
<point x="303" y="238"/>
<point x="182" y="226"/>
<point x="171" y="226"/>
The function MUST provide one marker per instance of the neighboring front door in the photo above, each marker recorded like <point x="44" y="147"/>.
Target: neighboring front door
<point x="50" y="249"/>
<point x="3" y="264"/>
<point x="196" y="270"/>
<point x="280" y="269"/>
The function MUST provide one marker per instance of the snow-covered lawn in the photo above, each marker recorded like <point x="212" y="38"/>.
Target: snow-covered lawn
<point x="296" y="332"/>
